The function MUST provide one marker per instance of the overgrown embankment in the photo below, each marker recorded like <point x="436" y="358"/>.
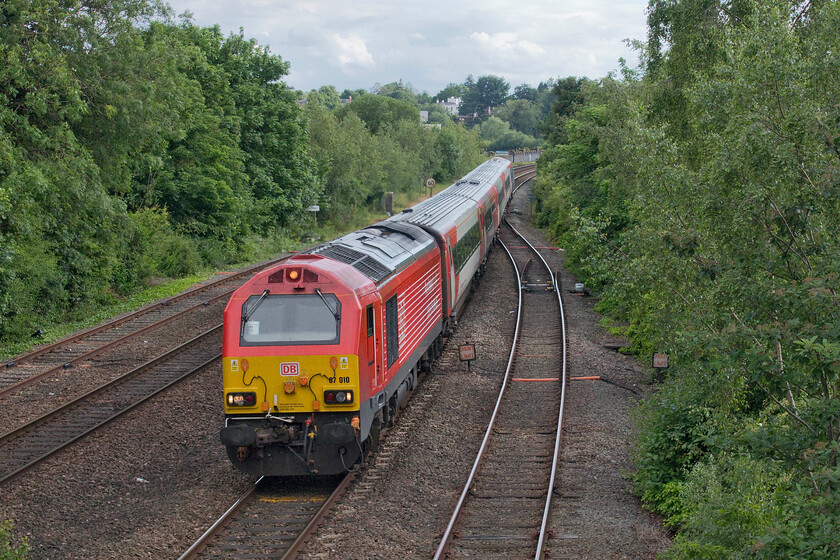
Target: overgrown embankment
<point x="699" y="198"/>
<point x="136" y="148"/>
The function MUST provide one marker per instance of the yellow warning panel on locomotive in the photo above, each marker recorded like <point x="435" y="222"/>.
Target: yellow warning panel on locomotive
<point x="291" y="384"/>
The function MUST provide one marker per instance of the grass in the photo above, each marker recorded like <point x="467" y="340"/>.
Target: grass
<point x="56" y="330"/>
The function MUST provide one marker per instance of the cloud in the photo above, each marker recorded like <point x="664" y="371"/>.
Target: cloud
<point x="356" y="44"/>
<point x="352" y="50"/>
<point x="507" y="41"/>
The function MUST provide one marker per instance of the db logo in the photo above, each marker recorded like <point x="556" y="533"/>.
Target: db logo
<point x="289" y="368"/>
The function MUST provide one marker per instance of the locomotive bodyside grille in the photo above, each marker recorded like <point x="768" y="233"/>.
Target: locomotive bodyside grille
<point x="368" y="266"/>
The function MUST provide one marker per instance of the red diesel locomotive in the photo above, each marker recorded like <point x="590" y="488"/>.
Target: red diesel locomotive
<point x="320" y="351"/>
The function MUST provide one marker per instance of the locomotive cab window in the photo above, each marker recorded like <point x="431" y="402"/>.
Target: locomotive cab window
<point x="277" y="320"/>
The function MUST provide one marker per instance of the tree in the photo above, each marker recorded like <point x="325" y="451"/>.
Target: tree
<point x="720" y="166"/>
<point x="378" y="111"/>
<point x="484" y="94"/>
<point x="396" y="90"/>
<point x="567" y="96"/>
<point x="437" y="114"/>
<point x="521" y="114"/>
<point x="526" y="92"/>
<point x="325" y="95"/>
<point x="494" y="128"/>
<point x="272" y="132"/>
<point x="353" y="93"/>
<point x="451" y="90"/>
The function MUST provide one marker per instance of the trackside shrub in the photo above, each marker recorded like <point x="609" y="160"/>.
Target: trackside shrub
<point x="10" y="547"/>
<point x="674" y="435"/>
<point x="163" y="252"/>
<point x="727" y="500"/>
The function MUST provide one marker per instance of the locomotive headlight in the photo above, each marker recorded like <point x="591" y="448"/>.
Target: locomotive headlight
<point x="338" y="397"/>
<point x="241" y="399"/>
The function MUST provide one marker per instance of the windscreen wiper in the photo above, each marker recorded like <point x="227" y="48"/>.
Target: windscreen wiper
<point x="335" y="313"/>
<point x="253" y="307"/>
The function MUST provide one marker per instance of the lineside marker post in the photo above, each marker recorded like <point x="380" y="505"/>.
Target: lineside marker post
<point x="659" y="361"/>
<point x="430" y="184"/>
<point x="467" y="353"/>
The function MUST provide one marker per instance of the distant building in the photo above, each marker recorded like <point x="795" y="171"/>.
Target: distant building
<point x="424" y="116"/>
<point x="451" y="104"/>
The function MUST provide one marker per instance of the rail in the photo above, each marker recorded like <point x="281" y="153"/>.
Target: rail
<point x="444" y="548"/>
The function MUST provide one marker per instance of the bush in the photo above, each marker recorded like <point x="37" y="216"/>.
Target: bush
<point x="728" y="501"/>
<point x="675" y="434"/>
<point x="11" y="548"/>
<point x="163" y="252"/>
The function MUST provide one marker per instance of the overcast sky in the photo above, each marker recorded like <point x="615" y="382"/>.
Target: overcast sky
<point x="355" y="44"/>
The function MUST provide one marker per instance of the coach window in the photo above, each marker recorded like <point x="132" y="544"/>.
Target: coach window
<point x="465" y="247"/>
<point x="278" y="320"/>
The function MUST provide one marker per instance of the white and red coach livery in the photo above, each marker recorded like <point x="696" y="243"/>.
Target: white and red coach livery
<point x="464" y="219"/>
<point x="320" y="351"/>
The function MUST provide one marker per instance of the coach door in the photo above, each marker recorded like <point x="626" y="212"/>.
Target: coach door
<point x="450" y="279"/>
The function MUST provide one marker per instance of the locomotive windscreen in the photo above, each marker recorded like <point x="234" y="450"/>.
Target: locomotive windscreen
<point x="291" y="319"/>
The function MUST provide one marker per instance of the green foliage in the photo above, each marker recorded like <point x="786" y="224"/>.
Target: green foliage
<point x="359" y="166"/>
<point x="397" y="90"/>
<point x="497" y="135"/>
<point x="521" y="114"/>
<point x="162" y="250"/>
<point x="377" y="111"/>
<point x="673" y="438"/>
<point x="11" y="548"/>
<point x="483" y="94"/>
<point x="326" y="96"/>
<point x="353" y="93"/>
<point x="701" y="201"/>
<point x="451" y="90"/>
<point x="437" y="114"/>
<point x="525" y="92"/>
<point x="111" y="111"/>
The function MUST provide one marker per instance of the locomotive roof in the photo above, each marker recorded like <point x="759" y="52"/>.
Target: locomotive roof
<point x="445" y="206"/>
<point x="379" y="250"/>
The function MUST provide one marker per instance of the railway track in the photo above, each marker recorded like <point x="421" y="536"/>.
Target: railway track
<point x="62" y="356"/>
<point x="524" y="173"/>
<point x="26" y="446"/>
<point x="271" y="520"/>
<point x="505" y="503"/>
<point x="280" y="516"/>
